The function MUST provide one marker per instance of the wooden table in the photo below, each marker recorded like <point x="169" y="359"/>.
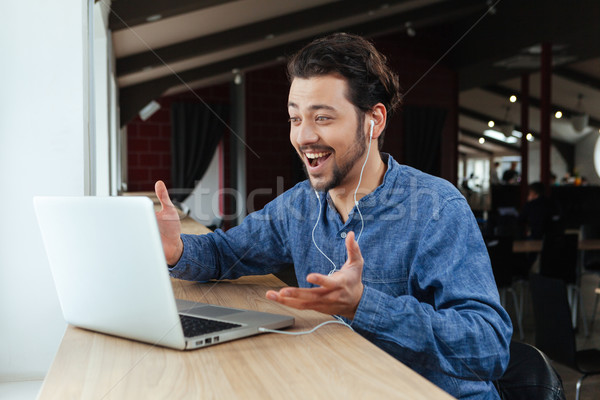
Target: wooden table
<point x="333" y="362"/>
<point x="535" y="246"/>
<point x="527" y="246"/>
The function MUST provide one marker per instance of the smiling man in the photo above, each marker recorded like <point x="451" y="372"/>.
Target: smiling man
<point x="394" y="252"/>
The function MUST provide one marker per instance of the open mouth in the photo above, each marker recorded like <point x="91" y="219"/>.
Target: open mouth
<point x="316" y="159"/>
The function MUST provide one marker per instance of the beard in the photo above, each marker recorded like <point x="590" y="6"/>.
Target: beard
<point x="340" y="171"/>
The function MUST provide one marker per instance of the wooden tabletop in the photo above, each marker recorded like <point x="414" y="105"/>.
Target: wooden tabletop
<point x="535" y="246"/>
<point x="333" y="362"/>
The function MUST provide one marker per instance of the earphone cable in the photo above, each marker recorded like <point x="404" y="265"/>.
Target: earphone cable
<point x="313" y="236"/>
<point x="362" y="221"/>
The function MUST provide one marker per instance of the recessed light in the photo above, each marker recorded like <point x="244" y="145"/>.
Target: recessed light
<point x="491" y="124"/>
<point x="481" y="140"/>
<point x="513" y="98"/>
<point x="154" y="18"/>
<point x="529" y="137"/>
<point x="558" y="114"/>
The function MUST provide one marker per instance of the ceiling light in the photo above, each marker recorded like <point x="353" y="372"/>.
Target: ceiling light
<point x="529" y="137"/>
<point x="507" y="129"/>
<point x="153" y="18"/>
<point x="410" y="31"/>
<point x="149" y="110"/>
<point x="499" y="136"/>
<point x="558" y="115"/>
<point x="513" y="98"/>
<point x="491" y="124"/>
<point x="481" y="140"/>
<point x="580" y="120"/>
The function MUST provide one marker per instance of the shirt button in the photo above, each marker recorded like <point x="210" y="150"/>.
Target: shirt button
<point x="343" y="235"/>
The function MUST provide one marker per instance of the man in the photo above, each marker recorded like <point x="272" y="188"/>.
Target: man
<point x="539" y="213"/>
<point x="419" y="286"/>
<point x="494" y="179"/>
<point x="511" y="176"/>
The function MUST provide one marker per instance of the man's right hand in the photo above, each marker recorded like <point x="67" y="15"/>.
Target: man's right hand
<point x="168" y="225"/>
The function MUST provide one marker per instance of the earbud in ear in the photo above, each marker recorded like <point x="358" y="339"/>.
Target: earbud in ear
<point x="372" y="125"/>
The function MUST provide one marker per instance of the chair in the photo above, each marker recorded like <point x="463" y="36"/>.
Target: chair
<point x="559" y="260"/>
<point x="529" y="375"/>
<point x="591" y="258"/>
<point x="554" y="333"/>
<point x="503" y="266"/>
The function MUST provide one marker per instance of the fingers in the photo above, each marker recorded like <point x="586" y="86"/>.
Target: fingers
<point x="162" y="194"/>
<point x="292" y="292"/>
<point x="322" y="280"/>
<point x="354" y="254"/>
<point x="314" y="298"/>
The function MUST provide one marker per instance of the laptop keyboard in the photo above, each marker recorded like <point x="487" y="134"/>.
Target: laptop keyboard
<point x="195" y="326"/>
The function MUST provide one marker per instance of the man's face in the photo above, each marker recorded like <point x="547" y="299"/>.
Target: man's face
<point x="326" y="131"/>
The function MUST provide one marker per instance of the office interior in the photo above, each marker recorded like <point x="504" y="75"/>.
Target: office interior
<point x="90" y="90"/>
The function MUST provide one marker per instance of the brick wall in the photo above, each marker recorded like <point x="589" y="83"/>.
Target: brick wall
<point x="149" y="151"/>
<point x="149" y="142"/>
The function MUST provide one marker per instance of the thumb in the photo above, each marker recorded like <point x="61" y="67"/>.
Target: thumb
<point x="162" y="194"/>
<point x="354" y="254"/>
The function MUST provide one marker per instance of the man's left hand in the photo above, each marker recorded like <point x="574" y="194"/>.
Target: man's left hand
<point x="337" y="294"/>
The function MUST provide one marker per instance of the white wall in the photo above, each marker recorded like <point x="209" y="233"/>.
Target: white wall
<point x="102" y="117"/>
<point x="584" y="157"/>
<point x="558" y="165"/>
<point x="43" y="123"/>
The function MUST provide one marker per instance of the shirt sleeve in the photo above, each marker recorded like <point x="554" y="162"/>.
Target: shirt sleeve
<point x="451" y="320"/>
<point x="257" y="246"/>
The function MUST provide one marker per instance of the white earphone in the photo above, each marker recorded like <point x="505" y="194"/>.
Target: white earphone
<point x="362" y="221"/>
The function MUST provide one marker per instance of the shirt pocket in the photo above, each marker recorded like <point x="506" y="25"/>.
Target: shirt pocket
<point x="390" y="280"/>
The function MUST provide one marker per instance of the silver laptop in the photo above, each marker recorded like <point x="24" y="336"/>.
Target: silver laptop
<point x="111" y="276"/>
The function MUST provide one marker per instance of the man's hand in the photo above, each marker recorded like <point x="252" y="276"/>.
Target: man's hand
<point x="168" y="225"/>
<point x="337" y="294"/>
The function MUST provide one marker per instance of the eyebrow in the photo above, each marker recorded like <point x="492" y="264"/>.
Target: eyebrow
<point x="314" y="107"/>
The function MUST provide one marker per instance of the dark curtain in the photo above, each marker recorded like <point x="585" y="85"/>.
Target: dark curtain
<point x="195" y="134"/>
<point x="422" y="137"/>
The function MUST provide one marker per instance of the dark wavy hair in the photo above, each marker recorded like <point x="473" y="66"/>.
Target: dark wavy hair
<point x="370" y="79"/>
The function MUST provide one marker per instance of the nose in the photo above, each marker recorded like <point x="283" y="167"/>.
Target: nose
<point x="305" y="134"/>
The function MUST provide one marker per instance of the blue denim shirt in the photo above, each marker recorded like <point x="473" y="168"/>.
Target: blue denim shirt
<point x="429" y="297"/>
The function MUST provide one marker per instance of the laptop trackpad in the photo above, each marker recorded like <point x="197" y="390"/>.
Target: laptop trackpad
<point x="210" y="311"/>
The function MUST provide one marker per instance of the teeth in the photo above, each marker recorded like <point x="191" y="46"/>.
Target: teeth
<point x="315" y="155"/>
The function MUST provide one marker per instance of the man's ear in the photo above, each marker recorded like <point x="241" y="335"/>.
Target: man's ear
<point x="378" y="115"/>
